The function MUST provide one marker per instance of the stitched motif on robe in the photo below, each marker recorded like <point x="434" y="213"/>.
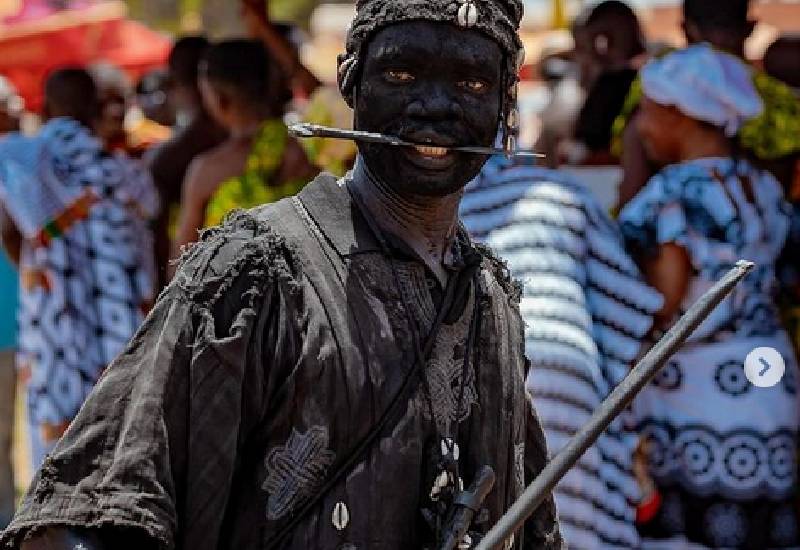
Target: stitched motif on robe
<point x="296" y="469"/>
<point x="444" y="372"/>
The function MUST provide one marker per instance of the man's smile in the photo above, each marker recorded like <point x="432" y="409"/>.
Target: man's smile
<point x="432" y="152"/>
<point x="430" y="157"/>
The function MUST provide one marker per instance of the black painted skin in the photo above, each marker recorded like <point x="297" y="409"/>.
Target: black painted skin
<point x="429" y="83"/>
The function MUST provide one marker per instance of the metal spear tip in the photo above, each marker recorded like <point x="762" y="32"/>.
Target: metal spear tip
<point x="302" y="130"/>
<point x="745" y="265"/>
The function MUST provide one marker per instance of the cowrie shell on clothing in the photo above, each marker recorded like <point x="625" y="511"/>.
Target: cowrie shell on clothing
<point x="341" y="516"/>
<point x="446" y="444"/>
<point x="468" y="15"/>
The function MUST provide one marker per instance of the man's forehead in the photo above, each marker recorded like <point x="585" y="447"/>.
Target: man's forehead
<point x="426" y="38"/>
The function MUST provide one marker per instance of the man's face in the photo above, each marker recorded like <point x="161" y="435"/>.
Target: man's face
<point x="429" y="83"/>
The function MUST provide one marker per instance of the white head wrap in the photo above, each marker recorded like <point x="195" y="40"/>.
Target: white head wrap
<point x="704" y="84"/>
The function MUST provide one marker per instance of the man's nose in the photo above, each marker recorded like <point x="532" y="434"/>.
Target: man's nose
<point x="434" y="102"/>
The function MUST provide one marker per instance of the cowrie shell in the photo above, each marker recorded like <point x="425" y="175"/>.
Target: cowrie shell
<point x="446" y="443"/>
<point x="468" y="15"/>
<point x="341" y="516"/>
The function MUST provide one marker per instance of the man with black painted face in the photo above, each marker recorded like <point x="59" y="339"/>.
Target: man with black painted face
<point x="329" y="371"/>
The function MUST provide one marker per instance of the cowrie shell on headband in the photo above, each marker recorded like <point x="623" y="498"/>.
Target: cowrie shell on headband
<point x="467" y="15"/>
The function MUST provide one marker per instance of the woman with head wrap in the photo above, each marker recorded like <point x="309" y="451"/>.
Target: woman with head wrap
<point x="772" y="138"/>
<point x="721" y="450"/>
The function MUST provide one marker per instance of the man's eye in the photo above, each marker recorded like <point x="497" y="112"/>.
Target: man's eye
<point x="399" y="76"/>
<point x="476" y="86"/>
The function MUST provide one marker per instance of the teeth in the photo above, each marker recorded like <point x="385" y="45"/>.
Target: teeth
<point x="431" y="151"/>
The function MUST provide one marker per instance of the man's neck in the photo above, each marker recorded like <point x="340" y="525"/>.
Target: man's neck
<point x="426" y="224"/>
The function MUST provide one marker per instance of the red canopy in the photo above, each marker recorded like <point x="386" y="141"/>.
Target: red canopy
<point x="32" y="46"/>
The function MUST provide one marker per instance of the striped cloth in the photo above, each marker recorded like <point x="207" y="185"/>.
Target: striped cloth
<point x="586" y="310"/>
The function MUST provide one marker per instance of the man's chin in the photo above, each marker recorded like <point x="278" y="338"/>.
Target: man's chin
<point x="430" y="177"/>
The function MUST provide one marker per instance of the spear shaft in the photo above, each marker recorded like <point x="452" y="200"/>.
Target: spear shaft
<point x="620" y="398"/>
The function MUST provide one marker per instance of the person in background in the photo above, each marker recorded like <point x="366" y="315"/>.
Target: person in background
<point x="11" y="106"/>
<point x="772" y="139"/>
<point x="610" y="49"/>
<point x="294" y="74"/>
<point x="782" y="61"/>
<point x="608" y="37"/>
<point x="195" y="133"/>
<point x="151" y="119"/>
<point x="722" y="452"/>
<point x="152" y="96"/>
<point x="74" y="219"/>
<point x="259" y="163"/>
<point x="115" y="91"/>
<point x="313" y="101"/>
<point x="586" y="310"/>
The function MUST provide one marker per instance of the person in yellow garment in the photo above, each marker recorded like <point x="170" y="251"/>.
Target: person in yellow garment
<point x="259" y="163"/>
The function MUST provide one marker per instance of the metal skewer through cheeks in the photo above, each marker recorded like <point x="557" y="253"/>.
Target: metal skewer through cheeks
<point x="306" y="130"/>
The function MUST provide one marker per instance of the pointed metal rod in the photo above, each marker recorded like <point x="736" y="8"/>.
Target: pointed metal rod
<point x="306" y="130"/>
<point x="620" y="398"/>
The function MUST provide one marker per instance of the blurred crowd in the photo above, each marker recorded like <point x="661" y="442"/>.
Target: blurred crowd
<point x="699" y="146"/>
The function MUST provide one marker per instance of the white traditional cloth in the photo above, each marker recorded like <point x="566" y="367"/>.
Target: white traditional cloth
<point x="86" y="260"/>
<point x="704" y="84"/>
<point x="722" y="451"/>
<point x="586" y="310"/>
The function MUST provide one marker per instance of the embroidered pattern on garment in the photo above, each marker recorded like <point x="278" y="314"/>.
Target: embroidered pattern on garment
<point x="519" y="465"/>
<point x="296" y="469"/>
<point x="444" y="373"/>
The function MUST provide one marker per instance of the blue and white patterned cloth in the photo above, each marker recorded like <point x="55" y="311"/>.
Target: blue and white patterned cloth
<point x="587" y="311"/>
<point x="93" y="281"/>
<point x="711" y="434"/>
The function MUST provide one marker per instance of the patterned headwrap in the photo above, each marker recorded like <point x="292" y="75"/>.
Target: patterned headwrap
<point x="498" y="19"/>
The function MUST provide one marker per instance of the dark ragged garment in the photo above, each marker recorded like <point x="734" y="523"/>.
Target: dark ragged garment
<point x="278" y="346"/>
